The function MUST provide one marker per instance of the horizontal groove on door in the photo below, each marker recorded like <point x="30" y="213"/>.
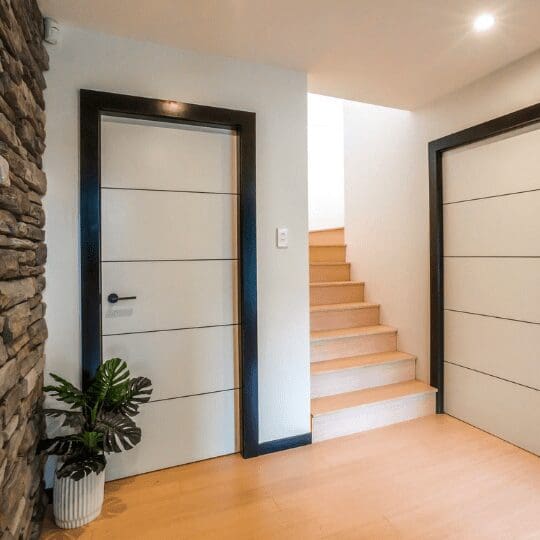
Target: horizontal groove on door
<point x="492" y="316"/>
<point x="172" y="329"/>
<point x="187" y="294"/>
<point x="174" y="191"/>
<point x="199" y="394"/>
<point x="469" y="228"/>
<point x="164" y="260"/>
<point x="506" y="349"/>
<point x="492" y="196"/>
<point x="491" y="375"/>
<point x="181" y="431"/>
<point x="506" y="410"/>
<point x="207" y="228"/>
<point x="498" y="164"/>
<point x="182" y="362"/>
<point x="506" y="288"/>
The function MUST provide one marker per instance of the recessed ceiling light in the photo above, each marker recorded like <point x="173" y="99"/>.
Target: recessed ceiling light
<point x="484" y="22"/>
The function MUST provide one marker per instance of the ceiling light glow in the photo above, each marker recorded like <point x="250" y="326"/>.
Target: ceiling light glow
<point x="484" y="22"/>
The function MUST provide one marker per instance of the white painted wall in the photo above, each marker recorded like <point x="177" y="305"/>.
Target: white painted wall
<point x="278" y="97"/>
<point x="386" y="192"/>
<point x="325" y="162"/>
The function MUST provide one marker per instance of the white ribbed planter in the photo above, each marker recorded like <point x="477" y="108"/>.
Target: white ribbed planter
<point x="76" y="503"/>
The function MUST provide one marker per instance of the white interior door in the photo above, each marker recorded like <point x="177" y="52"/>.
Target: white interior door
<point x="491" y="212"/>
<point x="168" y="234"/>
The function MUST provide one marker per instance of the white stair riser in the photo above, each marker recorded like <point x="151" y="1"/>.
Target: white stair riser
<point x="349" y="380"/>
<point x="334" y="272"/>
<point x="353" y="346"/>
<point x="336" y="294"/>
<point x="327" y="254"/>
<point x="344" y="318"/>
<point x="375" y="415"/>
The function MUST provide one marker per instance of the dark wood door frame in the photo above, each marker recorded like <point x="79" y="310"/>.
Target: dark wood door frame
<point x="502" y="124"/>
<point x="92" y="106"/>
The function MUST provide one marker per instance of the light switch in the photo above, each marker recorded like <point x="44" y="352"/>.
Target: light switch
<point x="282" y="237"/>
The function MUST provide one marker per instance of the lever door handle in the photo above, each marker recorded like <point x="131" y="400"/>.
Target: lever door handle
<point x="113" y="298"/>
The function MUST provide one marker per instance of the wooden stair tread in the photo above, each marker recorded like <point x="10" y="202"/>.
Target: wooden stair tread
<point x="336" y="263"/>
<point x="327" y="245"/>
<point x="339" y="364"/>
<point x="327" y="230"/>
<point x="322" y="335"/>
<point x="335" y="283"/>
<point x="342" y="307"/>
<point x="390" y="392"/>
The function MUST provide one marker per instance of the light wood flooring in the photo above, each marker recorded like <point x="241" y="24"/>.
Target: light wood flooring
<point x="430" y="478"/>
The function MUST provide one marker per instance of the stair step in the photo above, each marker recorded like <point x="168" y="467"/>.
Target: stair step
<point x="346" y="333"/>
<point x="324" y="237"/>
<point x="342" y="375"/>
<point x="344" y="315"/>
<point x="336" y="292"/>
<point x="353" y="412"/>
<point x="329" y="271"/>
<point x="381" y="394"/>
<point x="329" y="253"/>
<point x="363" y="360"/>
<point x="347" y="342"/>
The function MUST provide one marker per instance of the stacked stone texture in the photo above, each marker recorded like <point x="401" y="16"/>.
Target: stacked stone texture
<point x="23" y="331"/>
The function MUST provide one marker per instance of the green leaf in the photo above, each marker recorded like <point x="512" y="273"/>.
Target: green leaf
<point x="66" y="392"/>
<point x="111" y="382"/>
<point x="91" y="440"/>
<point x="72" y="419"/>
<point x="78" y="466"/>
<point x="139" y="392"/>
<point x="58" y="446"/>
<point x="100" y="417"/>
<point x="119" y="431"/>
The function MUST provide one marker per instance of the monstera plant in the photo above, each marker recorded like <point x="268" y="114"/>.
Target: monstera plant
<point x="98" y="421"/>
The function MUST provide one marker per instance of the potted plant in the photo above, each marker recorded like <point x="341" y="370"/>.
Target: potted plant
<point x="99" y="421"/>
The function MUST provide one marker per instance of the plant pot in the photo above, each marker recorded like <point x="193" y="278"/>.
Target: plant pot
<point x="77" y="502"/>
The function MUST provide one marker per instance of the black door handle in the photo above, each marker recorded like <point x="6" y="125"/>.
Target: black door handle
<point x="113" y="298"/>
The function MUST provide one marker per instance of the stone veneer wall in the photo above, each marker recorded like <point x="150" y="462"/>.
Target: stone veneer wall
<point x="23" y="59"/>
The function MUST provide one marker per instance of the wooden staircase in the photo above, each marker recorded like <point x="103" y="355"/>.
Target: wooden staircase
<point x="359" y="380"/>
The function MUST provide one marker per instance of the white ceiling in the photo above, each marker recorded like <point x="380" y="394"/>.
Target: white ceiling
<point x="399" y="53"/>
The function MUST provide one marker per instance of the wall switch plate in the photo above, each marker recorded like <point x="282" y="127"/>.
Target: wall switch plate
<point x="282" y="237"/>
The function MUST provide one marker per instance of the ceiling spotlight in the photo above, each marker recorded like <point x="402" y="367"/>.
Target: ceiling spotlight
<point x="484" y="22"/>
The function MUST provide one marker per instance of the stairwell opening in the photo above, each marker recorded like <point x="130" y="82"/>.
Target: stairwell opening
<point x="360" y="379"/>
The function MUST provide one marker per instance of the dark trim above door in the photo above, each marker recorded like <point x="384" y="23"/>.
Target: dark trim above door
<point x="93" y="105"/>
<point x="502" y="124"/>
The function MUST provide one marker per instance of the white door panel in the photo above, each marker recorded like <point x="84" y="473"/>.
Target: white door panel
<point x="168" y="237"/>
<point x="157" y="155"/>
<point x="180" y="362"/>
<point x="170" y="295"/>
<point x="491" y="223"/>
<point x="499" y="287"/>
<point x="181" y="431"/>
<point x="497" y="226"/>
<point x="508" y="164"/>
<point x="506" y="349"/>
<point x="175" y="225"/>
<point x="505" y="409"/>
